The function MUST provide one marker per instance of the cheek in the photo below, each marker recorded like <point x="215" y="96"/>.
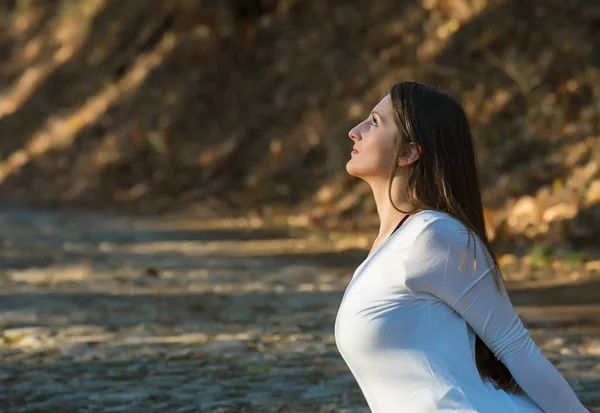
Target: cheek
<point x="386" y="149"/>
<point x="382" y="148"/>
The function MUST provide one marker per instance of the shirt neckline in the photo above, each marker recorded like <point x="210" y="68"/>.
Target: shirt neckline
<point x="387" y="240"/>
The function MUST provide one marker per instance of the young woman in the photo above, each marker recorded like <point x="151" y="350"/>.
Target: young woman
<point x="426" y="324"/>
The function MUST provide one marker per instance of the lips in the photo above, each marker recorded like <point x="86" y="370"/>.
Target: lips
<point x="354" y="149"/>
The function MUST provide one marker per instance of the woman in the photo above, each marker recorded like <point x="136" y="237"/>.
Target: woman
<point x="425" y="324"/>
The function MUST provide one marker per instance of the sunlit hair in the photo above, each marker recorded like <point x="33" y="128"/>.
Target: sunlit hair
<point x="445" y="178"/>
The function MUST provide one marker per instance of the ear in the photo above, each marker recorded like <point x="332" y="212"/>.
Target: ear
<point x="411" y="155"/>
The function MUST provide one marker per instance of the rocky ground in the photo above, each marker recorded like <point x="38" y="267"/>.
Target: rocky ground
<point x="107" y="313"/>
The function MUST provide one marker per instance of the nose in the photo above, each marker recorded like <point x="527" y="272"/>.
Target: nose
<point x="354" y="133"/>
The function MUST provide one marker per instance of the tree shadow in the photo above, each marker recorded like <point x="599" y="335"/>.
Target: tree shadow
<point x="521" y="135"/>
<point x="8" y="45"/>
<point x="247" y="107"/>
<point x="179" y="133"/>
<point x="108" y="49"/>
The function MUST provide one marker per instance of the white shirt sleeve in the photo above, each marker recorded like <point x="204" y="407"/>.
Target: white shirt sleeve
<point x="433" y="265"/>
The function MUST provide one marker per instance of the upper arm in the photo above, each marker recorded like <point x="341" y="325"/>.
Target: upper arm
<point x="454" y="267"/>
<point x="434" y="266"/>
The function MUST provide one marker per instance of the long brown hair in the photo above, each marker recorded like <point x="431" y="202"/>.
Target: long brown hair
<point x="446" y="178"/>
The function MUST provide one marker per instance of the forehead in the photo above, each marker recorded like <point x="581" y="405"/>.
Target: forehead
<point x="384" y="107"/>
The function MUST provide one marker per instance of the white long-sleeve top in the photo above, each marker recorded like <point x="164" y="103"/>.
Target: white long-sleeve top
<point x="407" y="321"/>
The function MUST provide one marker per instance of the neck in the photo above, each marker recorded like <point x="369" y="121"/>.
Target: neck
<point x="389" y="217"/>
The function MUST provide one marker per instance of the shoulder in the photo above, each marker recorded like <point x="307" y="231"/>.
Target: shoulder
<point x="432" y="223"/>
<point x="428" y="231"/>
<point x="441" y="256"/>
<point x="442" y="236"/>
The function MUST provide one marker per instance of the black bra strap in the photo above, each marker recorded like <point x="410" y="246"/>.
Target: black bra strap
<point x="401" y="222"/>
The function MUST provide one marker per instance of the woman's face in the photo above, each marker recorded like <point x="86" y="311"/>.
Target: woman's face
<point x="374" y="139"/>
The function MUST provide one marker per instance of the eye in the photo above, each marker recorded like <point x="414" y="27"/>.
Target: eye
<point x="374" y="123"/>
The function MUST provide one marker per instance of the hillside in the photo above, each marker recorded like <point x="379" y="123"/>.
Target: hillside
<point x="197" y="107"/>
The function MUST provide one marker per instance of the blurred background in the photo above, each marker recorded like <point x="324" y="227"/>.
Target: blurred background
<point x="178" y="226"/>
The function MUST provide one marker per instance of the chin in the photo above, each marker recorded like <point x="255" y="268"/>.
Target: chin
<point x="353" y="170"/>
<point x="368" y="171"/>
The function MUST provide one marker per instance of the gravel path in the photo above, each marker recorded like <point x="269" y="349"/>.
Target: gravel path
<point x="105" y="313"/>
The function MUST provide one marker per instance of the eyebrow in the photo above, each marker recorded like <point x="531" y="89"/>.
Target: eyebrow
<point x="376" y="113"/>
